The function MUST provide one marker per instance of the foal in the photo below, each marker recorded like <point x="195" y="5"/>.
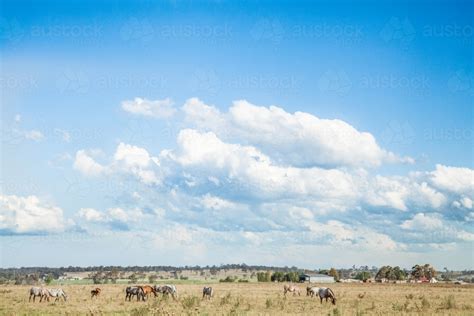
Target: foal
<point x="95" y="292"/>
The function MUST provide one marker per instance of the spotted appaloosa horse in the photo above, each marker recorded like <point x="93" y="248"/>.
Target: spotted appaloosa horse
<point x="208" y="292"/>
<point x="167" y="290"/>
<point x="38" y="291"/>
<point x="292" y="289"/>
<point x="131" y="291"/>
<point x="326" y="293"/>
<point x="57" y="294"/>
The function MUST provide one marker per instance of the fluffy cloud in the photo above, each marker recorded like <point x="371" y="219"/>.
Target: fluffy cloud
<point x="423" y="221"/>
<point x="464" y="202"/>
<point x="91" y="215"/>
<point x="112" y="215"/>
<point x="15" y="131"/>
<point x="453" y="179"/>
<point x="300" y="139"/>
<point x="137" y="161"/>
<point x="263" y="175"/>
<point x="23" y="215"/>
<point x="429" y="228"/>
<point x="87" y="165"/>
<point x="157" y="108"/>
<point x="127" y="159"/>
<point x="118" y="214"/>
<point x="401" y="192"/>
<point x="253" y="171"/>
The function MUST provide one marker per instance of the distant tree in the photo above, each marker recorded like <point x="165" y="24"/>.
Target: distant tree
<point x="390" y="273"/>
<point x="133" y="278"/>
<point x="48" y="279"/>
<point x="264" y="276"/>
<point x="333" y="272"/>
<point x="292" y="276"/>
<point x="363" y="276"/>
<point x="278" y="276"/>
<point x="97" y="277"/>
<point x="112" y="275"/>
<point x="383" y="272"/>
<point x="417" y="271"/>
<point x="228" y="279"/>
<point x="429" y="271"/>
<point x="398" y="274"/>
<point x="426" y="270"/>
<point x="268" y="276"/>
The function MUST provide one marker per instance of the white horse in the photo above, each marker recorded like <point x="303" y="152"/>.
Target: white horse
<point x="291" y="288"/>
<point x="38" y="291"/>
<point x="57" y="293"/>
<point x="312" y="291"/>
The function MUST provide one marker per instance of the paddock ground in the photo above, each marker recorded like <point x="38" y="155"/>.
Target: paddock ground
<point x="252" y="299"/>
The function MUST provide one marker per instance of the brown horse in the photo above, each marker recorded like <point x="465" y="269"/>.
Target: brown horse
<point x="148" y="290"/>
<point x="95" y="292"/>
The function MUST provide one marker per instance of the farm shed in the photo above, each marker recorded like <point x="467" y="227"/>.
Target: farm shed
<point x="316" y="278"/>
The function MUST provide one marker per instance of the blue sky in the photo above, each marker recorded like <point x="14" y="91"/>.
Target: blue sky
<point x="282" y="133"/>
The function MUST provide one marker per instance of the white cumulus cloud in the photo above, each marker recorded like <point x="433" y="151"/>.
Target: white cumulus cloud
<point x="300" y="139"/>
<point x="84" y="163"/>
<point x="23" y="215"/>
<point x="152" y="108"/>
<point x="91" y="215"/>
<point x="423" y="221"/>
<point x="453" y="179"/>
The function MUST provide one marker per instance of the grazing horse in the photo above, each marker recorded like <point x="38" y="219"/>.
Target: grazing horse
<point x="38" y="291"/>
<point x="57" y="293"/>
<point x="207" y="291"/>
<point x="148" y="290"/>
<point x="312" y="291"/>
<point x="95" y="292"/>
<point x="291" y="288"/>
<point x="132" y="291"/>
<point x="326" y="293"/>
<point x="167" y="290"/>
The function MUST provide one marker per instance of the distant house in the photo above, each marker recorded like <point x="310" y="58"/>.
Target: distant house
<point x="316" y="278"/>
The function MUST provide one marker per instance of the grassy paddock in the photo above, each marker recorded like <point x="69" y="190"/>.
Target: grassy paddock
<point x="252" y="299"/>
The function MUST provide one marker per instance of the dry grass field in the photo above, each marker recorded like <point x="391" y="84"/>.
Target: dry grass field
<point x="252" y="299"/>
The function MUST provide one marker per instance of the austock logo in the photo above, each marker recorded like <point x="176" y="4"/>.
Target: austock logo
<point x="461" y="81"/>
<point x="398" y="132"/>
<point x="143" y="31"/>
<point x="335" y="81"/>
<point x="398" y="30"/>
<point x="208" y="81"/>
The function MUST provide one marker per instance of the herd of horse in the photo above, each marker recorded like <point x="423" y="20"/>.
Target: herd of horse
<point x="142" y="292"/>
<point x="321" y="292"/>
